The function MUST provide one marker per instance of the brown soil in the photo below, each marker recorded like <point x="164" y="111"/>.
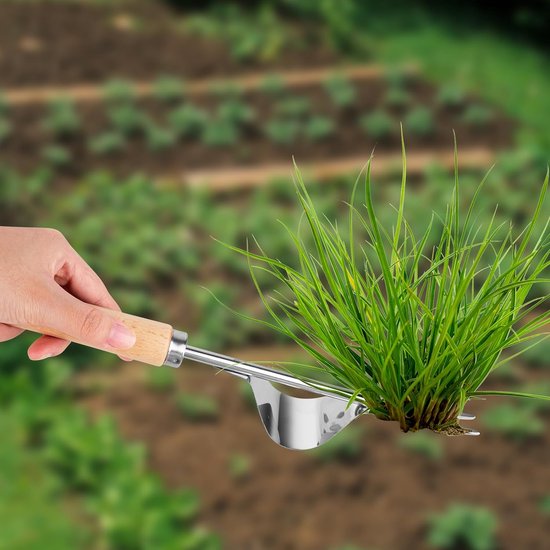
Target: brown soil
<point x="70" y="43"/>
<point x="291" y="500"/>
<point x="24" y="148"/>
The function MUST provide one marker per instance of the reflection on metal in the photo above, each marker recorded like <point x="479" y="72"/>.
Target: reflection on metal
<point x="301" y="423"/>
<point x="293" y="422"/>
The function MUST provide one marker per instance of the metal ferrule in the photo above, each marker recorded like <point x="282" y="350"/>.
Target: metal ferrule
<point x="176" y="350"/>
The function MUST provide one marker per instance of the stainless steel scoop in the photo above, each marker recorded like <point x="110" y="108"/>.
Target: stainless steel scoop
<point x="292" y="422"/>
<point x="298" y="423"/>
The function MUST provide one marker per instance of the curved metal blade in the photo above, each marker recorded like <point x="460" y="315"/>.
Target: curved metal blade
<point x="301" y="423"/>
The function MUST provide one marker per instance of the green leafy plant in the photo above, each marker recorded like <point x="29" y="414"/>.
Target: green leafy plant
<point x="397" y="97"/>
<point x="220" y="133"/>
<point x="87" y="454"/>
<point x="168" y="89"/>
<point x="239" y="466"/>
<point x="254" y="33"/>
<point x="318" y="128"/>
<point x="424" y="444"/>
<point x="188" y="120"/>
<point x="282" y="131"/>
<point x="340" y="90"/>
<point x="126" y="118"/>
<point x="56" y="155"/>
<point x="544" y="505"/>
<point x="413" y="331"/>
<point x="347" y="445"/>
<point x="294" y="106"/>
<point x="463" y="526"/>
<point x="236" y="112"/>
<point x="5" y="129"/>
<point x="114" y="223"/>
<point x="451" y="95"/>
<point x="197" y="407"/>
<point x="513" y="421"/>
<point x="158" y="138"/>
<point x="419" y="121"/>
<point x="62" y="119"/>
<point x="118" y="91"/>
<point x="478" y="115"/>
<point x="107" y="143"/>
<point x="377" y="124"/>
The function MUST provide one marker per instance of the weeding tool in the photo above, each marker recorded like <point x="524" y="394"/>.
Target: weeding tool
<point x="293" y="422"/>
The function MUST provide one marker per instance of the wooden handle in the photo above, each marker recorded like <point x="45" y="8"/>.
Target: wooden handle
<point x="152" y="338"/>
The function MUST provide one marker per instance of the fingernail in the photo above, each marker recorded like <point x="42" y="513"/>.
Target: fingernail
<point x="41" y="357"/>
<point x="121" y="337"/>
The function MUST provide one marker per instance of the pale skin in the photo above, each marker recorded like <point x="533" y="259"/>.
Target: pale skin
<point x="45" y="283"/>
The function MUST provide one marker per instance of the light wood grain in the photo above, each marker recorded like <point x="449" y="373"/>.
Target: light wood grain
<point x="152" y="338"/>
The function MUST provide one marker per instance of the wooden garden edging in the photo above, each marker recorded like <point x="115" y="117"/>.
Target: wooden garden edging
<point x="252" y="81"/>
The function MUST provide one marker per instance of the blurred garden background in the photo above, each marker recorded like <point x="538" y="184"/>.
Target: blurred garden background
<point x="141" y="129"/>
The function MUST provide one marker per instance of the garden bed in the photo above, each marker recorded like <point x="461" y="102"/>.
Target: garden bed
<point x="74" y="42"/>
<point x="340" y="117"/>
<point x="289" y="498"/>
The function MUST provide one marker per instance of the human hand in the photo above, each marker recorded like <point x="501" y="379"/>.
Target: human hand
<point x="45" y="283"/>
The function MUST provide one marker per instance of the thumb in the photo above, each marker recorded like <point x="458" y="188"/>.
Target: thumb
<point x="71" y="319"/>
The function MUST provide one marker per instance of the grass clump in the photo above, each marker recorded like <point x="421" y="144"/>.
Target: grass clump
<point x="544" y="505"/>
<point x="411" y="329"/>
<point x="463" y="526"/>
